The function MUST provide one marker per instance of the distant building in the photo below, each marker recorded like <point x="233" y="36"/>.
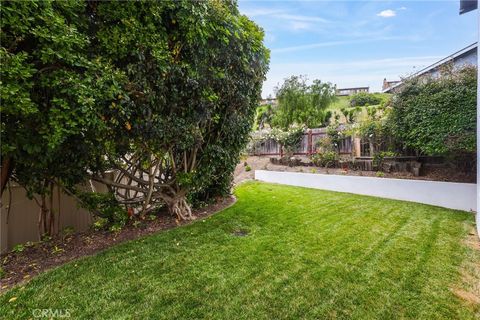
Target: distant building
<point x="269" y="101"/>
<point x="389" y="84"/>
<point x="461" y="58"/>
<point x="350" y="91"/>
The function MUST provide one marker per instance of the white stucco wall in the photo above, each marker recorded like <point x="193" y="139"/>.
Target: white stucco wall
<point x="478" y="129"/>
<point x="460" y="196"/>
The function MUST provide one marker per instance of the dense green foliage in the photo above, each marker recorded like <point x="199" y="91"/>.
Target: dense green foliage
<point x="289" y="139"/>
<point x="307" y="254"/>
<point x="195" y="72"/>
<point x="164" y="89"/>
<point x="324" y="158"/>
<point x="437" y="116"/>
<point x="51" y="92"/>
<point x="303" y="104"/>
<point x="264" y="117"/>
<point x="363" y="99"/>
<point x="376" y="128"/>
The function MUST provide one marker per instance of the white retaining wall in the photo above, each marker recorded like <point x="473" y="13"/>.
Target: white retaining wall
<point x="460" y="196"/>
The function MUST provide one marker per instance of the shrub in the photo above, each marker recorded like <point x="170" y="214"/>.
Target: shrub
<point x="380" y="174"/>
<point x="105" y="207"/>
<point x="437" y="116"/>
<point x="53" y="94"/>
<point x="324" y="159"/>
<point x="324" y="144"/>
<point x="380" y="156"/>
<point x="289" y="139"/>
<point x="362" y="99"/>
<point x="248" y="168"/>
<point x="18" y="248"/>
<point x="376" y="129"/>
<point x="350" y="114"/>
<point x="100" y="224"/>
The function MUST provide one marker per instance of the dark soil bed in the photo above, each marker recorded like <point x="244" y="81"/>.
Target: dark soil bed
<point x="431" y="173"/>
<point x="21" y="266"/>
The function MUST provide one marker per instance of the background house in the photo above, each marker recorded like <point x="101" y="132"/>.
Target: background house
<point x="350" y="91"/>
<point x="463" y="57"/>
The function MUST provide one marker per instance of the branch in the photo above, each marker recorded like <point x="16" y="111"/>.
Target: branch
<point x="117" y="185"/>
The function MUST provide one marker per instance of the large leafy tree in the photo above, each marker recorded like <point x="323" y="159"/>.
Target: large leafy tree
<point x="162" y="92"/>
<point x="195" y="71"/>
<point x="51" y="92"/>
<point x="302" y="104"/>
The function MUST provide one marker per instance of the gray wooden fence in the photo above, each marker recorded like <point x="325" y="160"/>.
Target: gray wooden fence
<point x="307" y="145"/>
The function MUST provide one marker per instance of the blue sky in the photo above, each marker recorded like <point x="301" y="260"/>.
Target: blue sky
<point x="358" y="43"/>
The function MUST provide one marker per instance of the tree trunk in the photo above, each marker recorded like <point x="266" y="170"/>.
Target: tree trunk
<point x="6" y="171"/>
<point x="179" y="207"/>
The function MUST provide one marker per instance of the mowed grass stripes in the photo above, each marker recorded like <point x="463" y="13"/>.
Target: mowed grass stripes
<point x="280" y="252"/>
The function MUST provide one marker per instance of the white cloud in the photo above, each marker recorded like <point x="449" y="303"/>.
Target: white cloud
<point x="300" y="25"/>
<point x="340" y="43"/>
<point x="281" y="14"/>
<point x="402" y="8"/>
<point x="299" y="18"/>
<point x="260" y="12"/>
<point x="387" y="13"/>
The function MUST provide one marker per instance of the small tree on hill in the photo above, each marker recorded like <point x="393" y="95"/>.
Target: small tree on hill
<point x="303" y="104"/>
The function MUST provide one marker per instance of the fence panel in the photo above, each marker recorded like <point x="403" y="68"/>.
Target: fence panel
<point x="18" y="224"/>
<point x="306" y="146"/>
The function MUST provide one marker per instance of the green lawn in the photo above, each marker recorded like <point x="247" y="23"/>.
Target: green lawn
<point x="339" y="103"/>
<point x="308" y="254"/>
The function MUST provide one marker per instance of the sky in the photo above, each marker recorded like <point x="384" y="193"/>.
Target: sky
<point x="357" y="43"/>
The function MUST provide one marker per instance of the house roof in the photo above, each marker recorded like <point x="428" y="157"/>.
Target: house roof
<point x="353" y="88"/>
<point x="431" y="67"/>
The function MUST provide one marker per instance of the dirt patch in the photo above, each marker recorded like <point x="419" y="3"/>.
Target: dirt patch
<point x="240" y="233"/>
<point x="20" y="267"/>
<point x="466" y="296"/>
<point x="255" y="163"/>
<point x="263" y="163"/>
<point x="469" y="289"/>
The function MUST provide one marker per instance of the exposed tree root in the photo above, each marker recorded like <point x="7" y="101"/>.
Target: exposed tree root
<point x="179" y="207"/>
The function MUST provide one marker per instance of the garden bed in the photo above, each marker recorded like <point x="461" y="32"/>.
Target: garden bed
<point x="32" y="260"/>
<point x="431" y="173"/>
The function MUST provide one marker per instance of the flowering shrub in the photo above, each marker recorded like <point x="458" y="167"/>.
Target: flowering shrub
<point x="288" y="139"/>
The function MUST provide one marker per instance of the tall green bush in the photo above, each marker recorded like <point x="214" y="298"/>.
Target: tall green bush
<point x="437" y="116"/>
<point x="163" y="92"/>
<point x="362" y="99"/>
<point x="52" y="92"/>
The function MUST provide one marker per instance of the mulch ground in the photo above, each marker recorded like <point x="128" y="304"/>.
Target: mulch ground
<point x="428" y="173"/>
<point x="20" y="267"/>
